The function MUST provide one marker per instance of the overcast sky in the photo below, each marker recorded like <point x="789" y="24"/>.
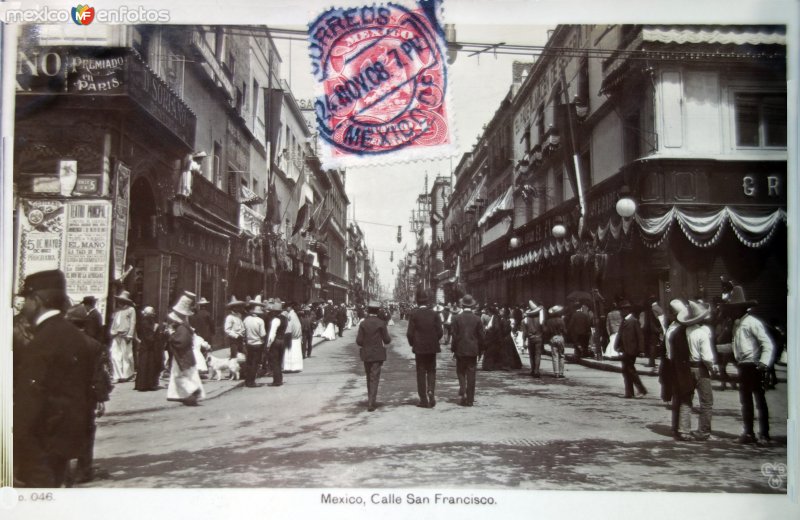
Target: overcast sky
<point x="388" y="194"/>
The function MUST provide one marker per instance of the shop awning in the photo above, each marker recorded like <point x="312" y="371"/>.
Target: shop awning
<point x="478" y="193"/>
<point x="248" y="196"/>
<point x="504" y="202"/>
<point x="725" y="35"/>
<point x="244" y="264"/>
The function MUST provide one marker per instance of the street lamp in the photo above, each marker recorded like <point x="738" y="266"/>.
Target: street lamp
<point x="626" y="206"/>
<point x="559" y="231"/>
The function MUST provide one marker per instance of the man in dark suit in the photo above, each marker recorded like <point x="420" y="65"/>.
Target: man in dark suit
<point x="579" y="330"/>
<point x="630" y="341"/>
<point x="341" y="318"/>
<point x="94" y="323"/>
<point x="53" y="394"/>
<point x="424" y="332"/>
<point x="372" y="337"/>
<point x="201" y="321"/>
<point x="467" y="344"/>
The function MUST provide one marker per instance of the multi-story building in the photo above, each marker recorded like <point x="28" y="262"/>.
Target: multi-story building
<point x="440" y="192"/>
<point x="648" y="162"/>
<point x="154" y="143"/>
<point x="357" y="265"/>
<point x="148" y="121"/>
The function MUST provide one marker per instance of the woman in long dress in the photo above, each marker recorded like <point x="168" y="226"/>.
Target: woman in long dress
<point x="492" y="358"/>
<point x="149" y="352"/>
<point x="123" y="333"/>
<point x="184" y="379"/>
<point x="510" y="359"/>
<point x="293" y="357"/>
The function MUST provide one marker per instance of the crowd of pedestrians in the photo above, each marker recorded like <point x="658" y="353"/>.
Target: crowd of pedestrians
<point x="66" y="363"/>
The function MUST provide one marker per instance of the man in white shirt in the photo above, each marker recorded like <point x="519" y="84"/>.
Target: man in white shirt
<point x="753" y="349"/>
<point x="701" y="361"/>
<point x="234" y="327"/>
<point x="255" y="332"/>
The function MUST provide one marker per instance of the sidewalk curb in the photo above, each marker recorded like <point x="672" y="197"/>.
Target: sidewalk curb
<point x="597" y="365"/>
<point x="171" y="404"/>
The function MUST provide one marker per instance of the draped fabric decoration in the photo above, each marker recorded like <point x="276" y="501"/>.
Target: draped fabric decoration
<point x="703" y="228"/>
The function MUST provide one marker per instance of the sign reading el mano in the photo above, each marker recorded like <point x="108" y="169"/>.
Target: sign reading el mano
<point x="74" y="236"/>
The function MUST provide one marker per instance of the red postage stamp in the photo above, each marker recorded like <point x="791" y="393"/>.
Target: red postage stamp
<point x="382" y="83"/>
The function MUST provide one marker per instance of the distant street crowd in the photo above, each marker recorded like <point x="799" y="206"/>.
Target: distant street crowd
<point x="688" y="346"/>
<point x="66" y="362"/>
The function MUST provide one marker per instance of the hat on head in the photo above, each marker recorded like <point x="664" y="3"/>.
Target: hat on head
<point x="677" y="306"/>
<point x="42" y="281"/>
<point x="421" y="297"/>
<point x="555" y="310"/>
<point x="235" y="304"/>
<point x="89" y="300"/>
<point x="125" y="297"/>
<point x="203" y="301"/>
<point x="274" y="304"/>
<point x="695" y="313"/>
<point x="76" y="313"/>
<point x="534" y="307"/>
<point x="184" y="305"/>
<point x="438" y="307"/>
<point x="657" y="308"/>
<point x="624" y="305"/>
<point x="468" y="301"/>
<point x="176" y="317"/>
<point x="148" y="311"/>
<point x="255" y="307"/>
<point x="373" y="304"/>
<point x="726" y="283"/>
<point x="737" y="298"/>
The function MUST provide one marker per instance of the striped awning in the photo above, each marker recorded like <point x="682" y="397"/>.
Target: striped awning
<point x="724" y="35"/>
<point x="478" y="193"/>
<point x="504" y="202"/>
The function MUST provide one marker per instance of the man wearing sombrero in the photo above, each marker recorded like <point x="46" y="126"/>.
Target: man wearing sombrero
<point x="701" y="361"/>
<point x="532" y="328"/>
<point x="123" y="330"/>
<point x="234" y="326"/>
<point x="752" y="348"/>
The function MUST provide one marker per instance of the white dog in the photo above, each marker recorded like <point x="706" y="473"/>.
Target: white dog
<point x="217" y="365"/>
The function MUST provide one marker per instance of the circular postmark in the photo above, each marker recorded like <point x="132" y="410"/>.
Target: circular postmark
<point x="383" y="79"/>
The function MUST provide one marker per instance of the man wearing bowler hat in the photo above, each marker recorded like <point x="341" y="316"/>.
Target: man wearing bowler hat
<point x="752" y="348"/>
<point x="53" y="394"/>
<point x="424" y="332"/>
<point x="467" y="344"/>
<point x="629" y="342"/>
<point x="93" y="325"/>
<point x="372" y="337"/>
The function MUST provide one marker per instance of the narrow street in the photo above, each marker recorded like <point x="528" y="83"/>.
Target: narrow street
<point x="315" y="432"/>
